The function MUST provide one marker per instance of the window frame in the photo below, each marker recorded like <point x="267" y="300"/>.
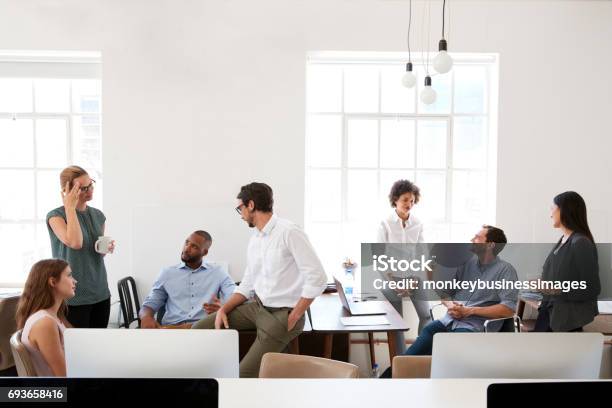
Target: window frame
<point x="76" y="66"/>
<point x="489" y="114"/>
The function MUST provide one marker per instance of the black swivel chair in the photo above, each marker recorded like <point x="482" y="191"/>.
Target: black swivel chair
<point x="504" y="324"/>
<point x="129" y="302"/>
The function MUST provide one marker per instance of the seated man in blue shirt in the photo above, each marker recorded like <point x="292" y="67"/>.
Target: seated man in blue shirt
<point x="469" y="310"/>
<point x="190" y="290"/>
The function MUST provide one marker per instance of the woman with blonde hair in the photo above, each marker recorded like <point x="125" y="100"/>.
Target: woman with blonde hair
<point x="41" y="315"/>
<point x="74" y="229"/>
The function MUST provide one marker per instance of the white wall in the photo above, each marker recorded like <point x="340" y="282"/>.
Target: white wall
<point x="200" y="97"/>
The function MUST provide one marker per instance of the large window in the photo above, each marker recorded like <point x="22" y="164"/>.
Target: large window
<point x="50" y="109"/>
<point x="365" y="131"/>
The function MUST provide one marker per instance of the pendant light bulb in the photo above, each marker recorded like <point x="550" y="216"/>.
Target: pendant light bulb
<point x="443" y="62"/>
<point x="428" y="94"/>
<point x="409" y="79"/>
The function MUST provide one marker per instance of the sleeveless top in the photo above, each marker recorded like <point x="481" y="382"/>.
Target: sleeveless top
<point x="87" y="265"/>
<point x="40" y="364"/>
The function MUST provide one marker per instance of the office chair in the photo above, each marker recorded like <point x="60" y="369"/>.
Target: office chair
<point x="8" y="326"/>
<point x="503" y="324"/>
<point x="279" y="365"/>
<point x="25" y="367"/>
<point x="128" y="300"/>
<point x="411" y="367"/>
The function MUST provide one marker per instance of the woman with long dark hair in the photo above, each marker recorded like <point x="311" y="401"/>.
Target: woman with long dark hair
<point x="41" y="315"/>
<point x="573" y="259"/>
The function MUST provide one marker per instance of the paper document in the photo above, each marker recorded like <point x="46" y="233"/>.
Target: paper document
<point x="376" y="320"/>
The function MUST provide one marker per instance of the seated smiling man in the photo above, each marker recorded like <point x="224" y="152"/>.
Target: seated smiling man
<point x="469" y="310"/>
<point x="190" y="290"/>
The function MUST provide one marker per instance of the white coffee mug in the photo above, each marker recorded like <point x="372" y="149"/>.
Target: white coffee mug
<point x="102" y="245"/>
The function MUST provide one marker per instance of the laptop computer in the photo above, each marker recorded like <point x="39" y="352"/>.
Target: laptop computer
<point x="359" y="308"/>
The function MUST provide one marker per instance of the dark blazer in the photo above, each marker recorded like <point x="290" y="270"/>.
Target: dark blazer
<point x="576" y="260"/>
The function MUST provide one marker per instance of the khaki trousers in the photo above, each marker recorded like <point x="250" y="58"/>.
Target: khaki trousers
<point x="271" y="326"/>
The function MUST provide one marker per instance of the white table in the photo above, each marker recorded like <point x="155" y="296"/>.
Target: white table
<point x="294" y="393"/>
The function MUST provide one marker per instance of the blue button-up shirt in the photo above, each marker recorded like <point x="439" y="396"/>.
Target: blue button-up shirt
<point x="496" y="271"/>
<point x="183" y="291"/>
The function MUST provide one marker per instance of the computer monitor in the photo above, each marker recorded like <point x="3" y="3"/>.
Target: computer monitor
<point x="120" y="353"/>
<point x="517" y="355"/>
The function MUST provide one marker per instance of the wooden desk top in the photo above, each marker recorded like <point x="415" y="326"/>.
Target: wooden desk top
<point x="327" y="310"/>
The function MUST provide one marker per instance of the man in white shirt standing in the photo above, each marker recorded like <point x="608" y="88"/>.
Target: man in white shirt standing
<point x="283" y="276"/>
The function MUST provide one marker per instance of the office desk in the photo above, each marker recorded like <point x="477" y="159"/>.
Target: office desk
<point x="422" y="393"/>
<point x="325" y="314"/>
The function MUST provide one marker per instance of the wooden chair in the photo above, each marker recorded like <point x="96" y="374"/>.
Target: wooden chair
<point x="280" y="365"/>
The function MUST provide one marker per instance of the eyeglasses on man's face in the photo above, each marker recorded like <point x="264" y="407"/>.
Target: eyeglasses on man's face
<point x="239" y="209"/>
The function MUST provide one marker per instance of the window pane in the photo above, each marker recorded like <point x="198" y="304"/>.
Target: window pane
<point x="469" y="196"/>
<point x="87" y="141"/>
<point x="324" y="88"/>
<point x="327" y="242"/>
<point x="442" y="85"/>
<point x="395" y="98"/>
<point x="361" y="89"/>
<point x="362" y="143"/>
<point x="15" y="95"/>
<point x="356" y="232"/>
<point x="470" y="142"/>
<point x="439" y="232"/>
<point x="16" y="143"/>
<point x="431" y="144"/>
<point x="48" y="192"/>
<point x="51" y="142"/>
<point x="43" y="245"/>
<point x="362" y="198"/>
<point x="397" y="143"/>
<point x="18" y="194"/>
<point x="470" y="89"/>
<point x="324" y="195"/>
<point x="86" y="95"/>
<point x="18" y="251"/>
<point x="52" y="95"/>
<point x="464" y="232"/>
<point x="324" y="140"/>
<point x="432" y="206"/>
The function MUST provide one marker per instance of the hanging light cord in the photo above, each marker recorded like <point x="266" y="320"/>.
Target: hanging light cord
<point x="409" y="25"/>
<point x="443" y="8"/>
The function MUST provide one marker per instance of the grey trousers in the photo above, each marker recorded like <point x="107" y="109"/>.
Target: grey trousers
<point x="272" y="333"/>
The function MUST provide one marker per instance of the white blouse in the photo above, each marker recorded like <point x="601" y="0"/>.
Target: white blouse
<point x="391" y="230"/>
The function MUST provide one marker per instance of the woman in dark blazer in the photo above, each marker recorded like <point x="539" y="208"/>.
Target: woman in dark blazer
<point x="574" y="258"/>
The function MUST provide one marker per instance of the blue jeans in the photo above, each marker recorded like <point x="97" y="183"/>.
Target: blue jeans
<point x="424" y="342"/>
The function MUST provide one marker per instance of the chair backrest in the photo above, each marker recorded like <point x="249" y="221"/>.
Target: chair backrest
<point x="25" y="367"/>
<point x="129" y="302"/>
<point x="279" y="365"/>
<point x="503" y="325"/>
<point x="411" y="367"/>
<point x="8" y="326"/>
